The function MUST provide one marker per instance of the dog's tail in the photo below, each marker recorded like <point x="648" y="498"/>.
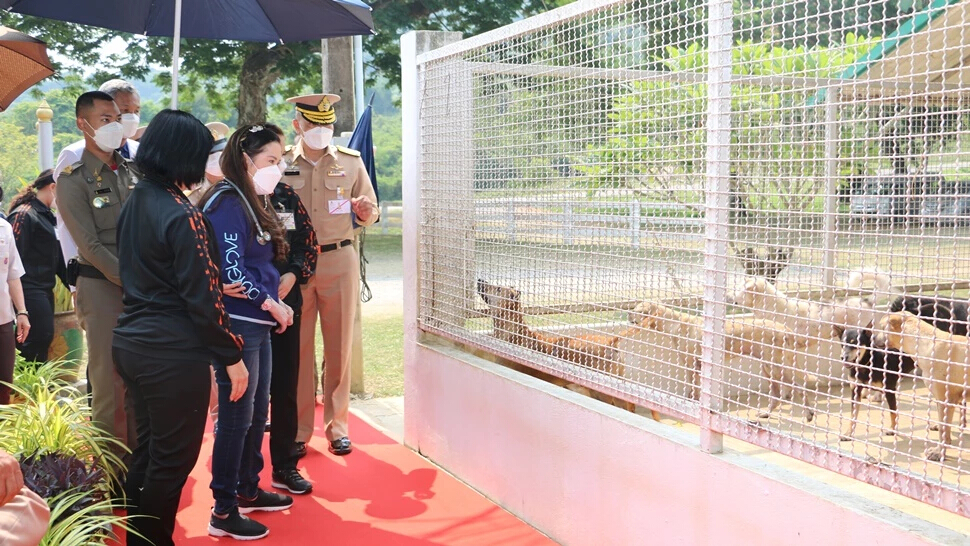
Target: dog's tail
<point x="882" y="282"/>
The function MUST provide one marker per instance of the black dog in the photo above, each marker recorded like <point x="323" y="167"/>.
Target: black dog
<point x="873" y="368"/>
<point x="948" y="315"/>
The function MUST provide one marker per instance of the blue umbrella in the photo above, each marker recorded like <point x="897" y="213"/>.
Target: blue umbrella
<point x="247" y="20"/>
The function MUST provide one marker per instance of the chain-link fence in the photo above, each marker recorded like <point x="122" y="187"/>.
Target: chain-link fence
<point x="752" y="217"/>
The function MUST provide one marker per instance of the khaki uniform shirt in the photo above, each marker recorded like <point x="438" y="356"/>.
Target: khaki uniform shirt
<point x="340" y="173"/>
<point x="89" y="198"/>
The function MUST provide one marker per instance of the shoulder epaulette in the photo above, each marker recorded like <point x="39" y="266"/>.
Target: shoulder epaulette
<point x="70" y="168"/>
<point x="288" y="149"/>
<point x="348" y="151"/>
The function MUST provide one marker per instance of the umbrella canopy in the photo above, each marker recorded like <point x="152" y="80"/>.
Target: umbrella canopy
<point x="247" y="20"/>
<point x="23" y="62"/>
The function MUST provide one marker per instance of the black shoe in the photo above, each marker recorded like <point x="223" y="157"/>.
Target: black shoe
<point x="237" y="527"/>
<point x="269" y="427"/>
<point x="299" y="450"/>
<point x="292" y="481"/>
<point x="264" y="502"/>
<point x="341" y="446"/>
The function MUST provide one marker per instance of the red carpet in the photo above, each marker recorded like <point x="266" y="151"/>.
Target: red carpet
<point x="382" y="494"/>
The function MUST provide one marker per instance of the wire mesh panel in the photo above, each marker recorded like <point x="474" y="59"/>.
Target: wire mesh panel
<point x="752" y="216"/>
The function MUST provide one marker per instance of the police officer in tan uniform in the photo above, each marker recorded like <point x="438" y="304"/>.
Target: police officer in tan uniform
<point x="333" y="184"/>
<point x="89" y="196"/>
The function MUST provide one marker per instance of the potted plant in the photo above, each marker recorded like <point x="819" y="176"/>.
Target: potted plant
<point x="64" y="458"/>
<point x="68" y="344"/>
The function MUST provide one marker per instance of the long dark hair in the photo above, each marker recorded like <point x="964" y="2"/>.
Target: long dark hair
<point x="174" y="149"/>
<point x="251" y="140"/>
<point x="28" y="194"/>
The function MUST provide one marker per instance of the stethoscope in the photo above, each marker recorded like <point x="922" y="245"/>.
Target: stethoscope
<point x="262" y="237"/>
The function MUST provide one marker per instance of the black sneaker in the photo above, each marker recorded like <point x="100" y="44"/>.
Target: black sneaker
<point x="299" y="450"/>
<point x="264" y="502"/>
<point x="236" y="526"/>
<point x="292" y="481"/>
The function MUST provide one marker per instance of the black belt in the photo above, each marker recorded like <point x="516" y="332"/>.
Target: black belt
<point x="334" y="246"/>
<point x="90" y="271"/>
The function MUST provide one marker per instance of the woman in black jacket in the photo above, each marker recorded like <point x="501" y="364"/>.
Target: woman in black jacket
<point x="34" y="227"/>
<point x="174" y="323"/>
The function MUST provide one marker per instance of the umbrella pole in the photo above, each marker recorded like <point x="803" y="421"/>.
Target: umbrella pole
<point x="176" y="38"/>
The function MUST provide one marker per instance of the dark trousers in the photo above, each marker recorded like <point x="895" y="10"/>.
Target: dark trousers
<point x="282" y="395"/>
<point x="8" y="355"/>
<point x="237" y="457"/>
<point x="40" y="305"/>
<point x="169" y="398"/>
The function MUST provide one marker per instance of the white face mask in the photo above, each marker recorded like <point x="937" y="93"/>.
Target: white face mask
<point x="212" y="165"/>
<point x="109" y="137"/>
<point x="130" y="124"/>
<point x="266" y="179"/>
<point x="318" y="138"/>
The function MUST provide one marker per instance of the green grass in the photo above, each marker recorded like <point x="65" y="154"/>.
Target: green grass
<point x="384" y="355"/>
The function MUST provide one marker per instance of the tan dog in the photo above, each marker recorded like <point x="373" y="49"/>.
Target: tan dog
<point x="770" y="342"/>
<point x="814" y="320"/>
<point x="943" y="358"/>
<point x="592" y="351"/>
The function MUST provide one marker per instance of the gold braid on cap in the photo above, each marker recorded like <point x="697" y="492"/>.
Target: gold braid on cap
<point x="321" y="114"/>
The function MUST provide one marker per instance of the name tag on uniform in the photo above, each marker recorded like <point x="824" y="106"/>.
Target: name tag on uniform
<point x="336" y="172"/>
<point x="289" y="221"/>
<point x="339" y="206"/>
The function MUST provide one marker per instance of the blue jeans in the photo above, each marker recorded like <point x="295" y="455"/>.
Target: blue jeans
<point x="237" y="456"/>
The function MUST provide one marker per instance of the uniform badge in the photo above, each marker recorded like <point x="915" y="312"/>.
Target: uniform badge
<point x="336" y="170"/>
<point x="100" y="202"/>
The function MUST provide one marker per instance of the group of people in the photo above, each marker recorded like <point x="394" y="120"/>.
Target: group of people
<point x="201" y="261"/>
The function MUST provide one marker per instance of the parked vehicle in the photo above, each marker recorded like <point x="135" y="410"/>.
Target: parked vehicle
<point x="894" y="196"/>
<point x="951" y="206"/>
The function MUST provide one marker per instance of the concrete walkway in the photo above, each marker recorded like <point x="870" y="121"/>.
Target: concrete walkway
<point x="384" y="414"/>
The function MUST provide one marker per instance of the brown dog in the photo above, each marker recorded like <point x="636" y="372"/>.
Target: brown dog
<point x="592" y="351"/>
<point x="770" y="342"/>
<point x="943" y="358"/>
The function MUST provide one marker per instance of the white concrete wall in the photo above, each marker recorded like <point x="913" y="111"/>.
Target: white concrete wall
<point x="588" y="474"/>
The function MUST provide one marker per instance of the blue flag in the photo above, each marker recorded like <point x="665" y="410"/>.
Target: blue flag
<point x="363" y="141"/>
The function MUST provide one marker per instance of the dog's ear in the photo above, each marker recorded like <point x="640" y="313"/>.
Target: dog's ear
<point x="838" y="330"/>
<point x="895" y="322"/>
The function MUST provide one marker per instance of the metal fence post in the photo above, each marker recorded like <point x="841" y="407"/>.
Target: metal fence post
<point x="636" y="211"/>
<point x="567" y="211"/>
<point x="413" y="43"/>
<point x="384" y="218"/>
<point x="716" y="231"/>
<point x="831" y="184"/>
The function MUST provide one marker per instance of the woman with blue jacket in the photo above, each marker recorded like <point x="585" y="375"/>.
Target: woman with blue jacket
<point x="250" y="238"/>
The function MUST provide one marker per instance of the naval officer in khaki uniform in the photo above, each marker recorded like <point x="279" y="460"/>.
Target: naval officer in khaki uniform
<point x="89" y="196"/>
<point x="333" y="184"/>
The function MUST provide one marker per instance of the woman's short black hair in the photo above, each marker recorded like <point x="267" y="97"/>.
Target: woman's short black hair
<point x="174" y="149"/>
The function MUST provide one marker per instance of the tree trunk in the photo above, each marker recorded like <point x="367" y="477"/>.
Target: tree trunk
<point x="338" y="78"/>
<point x="257" y="76"/>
